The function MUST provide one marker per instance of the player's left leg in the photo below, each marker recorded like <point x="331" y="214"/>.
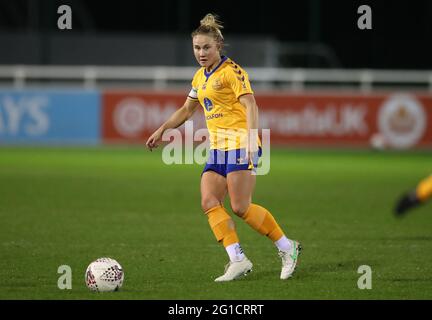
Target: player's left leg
<point x="424" y="189"/>
<point x="412" y="199"/>
<point x="240" y="189"/>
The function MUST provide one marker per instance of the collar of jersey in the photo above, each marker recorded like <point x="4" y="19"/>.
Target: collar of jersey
<point x="207" y="75"/>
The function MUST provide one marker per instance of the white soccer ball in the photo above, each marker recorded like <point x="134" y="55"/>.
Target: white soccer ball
<point x="104" y="275"/>
<point x="378" y="141"/>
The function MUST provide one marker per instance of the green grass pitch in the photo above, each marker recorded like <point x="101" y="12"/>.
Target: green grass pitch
<point x="69" y="206"/>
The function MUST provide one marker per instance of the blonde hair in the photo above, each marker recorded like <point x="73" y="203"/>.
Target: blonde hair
<point x="210" y="26"/>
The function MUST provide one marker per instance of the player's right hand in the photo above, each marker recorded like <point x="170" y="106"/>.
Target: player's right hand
<point x="155" y="138"/>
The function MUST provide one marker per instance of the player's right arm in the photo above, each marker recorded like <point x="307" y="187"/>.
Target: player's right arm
<point x="176" y="120"/>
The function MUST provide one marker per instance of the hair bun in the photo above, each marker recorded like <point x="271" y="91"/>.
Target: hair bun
<point x="211" y="20"/>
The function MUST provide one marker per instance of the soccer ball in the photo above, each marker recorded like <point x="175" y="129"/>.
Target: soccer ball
<point x="103" y="275"/>
<point x="378" y="141"/>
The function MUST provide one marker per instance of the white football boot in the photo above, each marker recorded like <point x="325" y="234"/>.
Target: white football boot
<point x="235" y="270"/>
<point x="289" y="260"/>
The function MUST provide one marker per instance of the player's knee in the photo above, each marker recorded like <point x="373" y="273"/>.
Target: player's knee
<point x="208" y="203"/>
<point x="239" y="207"/>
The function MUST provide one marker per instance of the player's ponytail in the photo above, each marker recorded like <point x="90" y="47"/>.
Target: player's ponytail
<point x="210" y="26"/>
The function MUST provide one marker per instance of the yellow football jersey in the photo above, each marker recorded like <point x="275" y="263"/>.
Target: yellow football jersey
<point x="218" y="92"/>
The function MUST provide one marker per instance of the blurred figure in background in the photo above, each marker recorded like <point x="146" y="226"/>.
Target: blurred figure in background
<point x="421" y="194"/>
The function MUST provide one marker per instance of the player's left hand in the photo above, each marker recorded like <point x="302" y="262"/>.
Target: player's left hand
<point x="252" y="151"/>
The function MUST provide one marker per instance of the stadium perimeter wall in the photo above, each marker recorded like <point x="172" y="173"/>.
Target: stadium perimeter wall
<point x="394" y="119"/>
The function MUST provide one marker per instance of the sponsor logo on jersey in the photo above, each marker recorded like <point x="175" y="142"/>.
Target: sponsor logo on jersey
<point x="208" y="104"/>
<point x="214" y="116"/>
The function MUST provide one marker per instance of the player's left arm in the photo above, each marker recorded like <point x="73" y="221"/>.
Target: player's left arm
<point x="248" y="101"/>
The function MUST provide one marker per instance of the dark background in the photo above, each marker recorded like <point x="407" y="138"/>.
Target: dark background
<point x="400" y="39"/>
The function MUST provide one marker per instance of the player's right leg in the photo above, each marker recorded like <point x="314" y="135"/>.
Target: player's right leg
<point x="213" y="192"/>
<point x="241" y="184"/>
<point x="409" y="200"/>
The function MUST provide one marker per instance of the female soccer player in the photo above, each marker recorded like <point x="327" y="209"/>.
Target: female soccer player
<point x="222" y="87"/>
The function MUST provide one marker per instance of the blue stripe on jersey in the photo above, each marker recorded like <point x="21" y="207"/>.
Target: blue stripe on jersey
<point x="207" y="75"/>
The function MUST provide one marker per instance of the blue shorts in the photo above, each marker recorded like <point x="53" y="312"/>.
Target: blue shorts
<point x="224" y="162"/>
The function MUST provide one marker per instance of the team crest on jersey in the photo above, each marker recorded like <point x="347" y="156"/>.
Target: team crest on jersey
<point x="217" y="85"/>
<point x="208" y="104"/>
<point x="204" y="86"/>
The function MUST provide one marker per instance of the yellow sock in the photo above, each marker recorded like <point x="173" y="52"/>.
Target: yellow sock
<point x="222" y="226"/>
<point x="424" y="189"/>
<point x="261" y="220"/>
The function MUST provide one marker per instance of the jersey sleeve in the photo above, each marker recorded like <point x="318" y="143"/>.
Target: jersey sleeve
<point x="193" y="93"/>
<point x="238" y="80"/>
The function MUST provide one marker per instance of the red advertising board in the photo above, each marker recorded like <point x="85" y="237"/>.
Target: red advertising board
<point x="400" y="120"/>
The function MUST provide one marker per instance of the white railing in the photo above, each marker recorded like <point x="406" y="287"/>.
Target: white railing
<point x="162" y="77"/>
